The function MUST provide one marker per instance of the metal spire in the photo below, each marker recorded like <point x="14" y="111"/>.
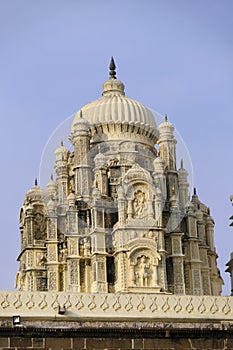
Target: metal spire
<point x="165" y="117"/>
<point x="194" y="191"/>
<point x="36" y="183"/>
<point x="112" y="67"/>
<point x="181" y="164"/>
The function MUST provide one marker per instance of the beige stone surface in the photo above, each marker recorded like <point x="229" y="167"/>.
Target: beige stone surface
<point x="118" y="217"/>
<point x="117" y="307"/>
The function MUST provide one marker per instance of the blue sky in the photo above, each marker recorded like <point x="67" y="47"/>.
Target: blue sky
<point x="174" y="56"/>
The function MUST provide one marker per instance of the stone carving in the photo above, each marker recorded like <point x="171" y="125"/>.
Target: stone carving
<point x="202" y="307"/>
<point x="18" y="302"/>
<point x="5" y="303"/>
<point x="63" y="252"/>
<point x="178" y="307"/>
<point x="226" y="308"/>
<point x="79" y="305"/>
<point x="145" y="268"/>
<point x="67" y="303"/>
<point x="113" y="185"/>
<point x="117" y="306"/>
<point x="190" y="306"/>
<point x="30" y="303"/>
<point x="52" y="280"/>
<point x="166" y="306"/>
<point x="139" y="204"/>
<point x="104" y="306"/>
<point x="143" y="273"/>
<point x="34" y="304"/>
<point x="92" y="305"/>
<point x="129" y="305"/>
<point x="86" y="247"/>
<point x="43" y="304"/>
<point x="41" y="259"/>
<point x="55" y="303"/>
<point x="141" y="306"/>
<point x="214" y="308"/>
<point x="20" y="279"/>
<point x="39" y="226"/>
<point x="154" y="307"/>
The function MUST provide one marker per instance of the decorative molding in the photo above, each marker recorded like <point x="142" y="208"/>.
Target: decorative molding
<point x="109" y="306"/>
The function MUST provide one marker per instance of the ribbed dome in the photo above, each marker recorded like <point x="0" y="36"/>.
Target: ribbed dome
<point x="35" y="194"/>
<point x="115" y="108"/>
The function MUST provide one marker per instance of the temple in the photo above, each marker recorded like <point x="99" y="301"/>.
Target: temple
<point x="118" y="216"/>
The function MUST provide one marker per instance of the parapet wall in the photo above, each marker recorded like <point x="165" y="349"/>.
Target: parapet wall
<point x="117" y="307"/>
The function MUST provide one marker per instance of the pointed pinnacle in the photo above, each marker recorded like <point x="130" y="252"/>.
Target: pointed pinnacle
<point x="36" y="183"/>
<point x="51" y="176"/>
<point x="194" y="191"/>
<point x="80" y="114"/>
<point x="112" y="67"/>
<point x="62" y="143"/>
<point x="181" y="164"/>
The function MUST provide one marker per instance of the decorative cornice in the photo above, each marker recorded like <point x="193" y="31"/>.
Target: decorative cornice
<point x="117" y="307"/>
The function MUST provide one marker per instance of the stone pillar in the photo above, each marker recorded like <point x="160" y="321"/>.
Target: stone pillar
<point x="52" y="248"/>
<point x="80" y="138"/>
<point x="61" y="168"/>
<point x="72" y="215"/>
<point x="167" y="144"/>
<point x="210" y="233"/>
<point x="29" y="225"/>
<point x="99" y="278"/>
<point x="121" y="271"/>
<point x="183" y="186"/>
<point x="74" y="274"/>
<point x="178" y="263"/>
<point x="205" y="270"/>
<point x="159" y="176"/>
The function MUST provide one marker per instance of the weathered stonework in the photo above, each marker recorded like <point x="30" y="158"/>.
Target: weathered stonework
<point x="118" y="218"/>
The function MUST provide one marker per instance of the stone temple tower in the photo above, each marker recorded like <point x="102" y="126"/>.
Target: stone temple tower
<point x="118" y="216"/>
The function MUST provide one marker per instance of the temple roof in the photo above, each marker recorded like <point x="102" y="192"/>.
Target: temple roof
<point x="115" y="108"/>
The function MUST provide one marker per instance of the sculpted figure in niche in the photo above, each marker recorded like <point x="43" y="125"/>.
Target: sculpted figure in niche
<point x="39" y="226"/>
<point x="41" y="259"/>
<point x="86" y="247"/>
<point x="63" y="252"/>
<point x="139" y="203"/>
<point x="20" y="278"/>
<point x="143" y="272"/>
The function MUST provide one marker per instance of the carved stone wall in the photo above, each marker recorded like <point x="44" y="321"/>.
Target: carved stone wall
<point x="118" y="217"/>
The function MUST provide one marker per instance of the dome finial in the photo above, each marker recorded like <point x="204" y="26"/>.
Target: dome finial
<point x="112" y="67"/>
<point x="165" y="117"/>
<point x="36" y="182"/>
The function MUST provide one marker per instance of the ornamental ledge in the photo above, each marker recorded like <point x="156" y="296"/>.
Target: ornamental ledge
<point x="107" y="306"/>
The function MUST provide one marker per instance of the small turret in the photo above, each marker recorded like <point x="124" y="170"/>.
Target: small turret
<point x="167" y="144"/>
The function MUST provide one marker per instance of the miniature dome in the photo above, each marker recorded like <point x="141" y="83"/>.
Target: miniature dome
<point x="61" y="153"/>
<point x="182" y="173"/>
<point x="35" y="194"/>
<point x="166" y="129"/>
<point x="114" y="108"/>
<point x="80" y="125"/>
<point x="99" y="159"/>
